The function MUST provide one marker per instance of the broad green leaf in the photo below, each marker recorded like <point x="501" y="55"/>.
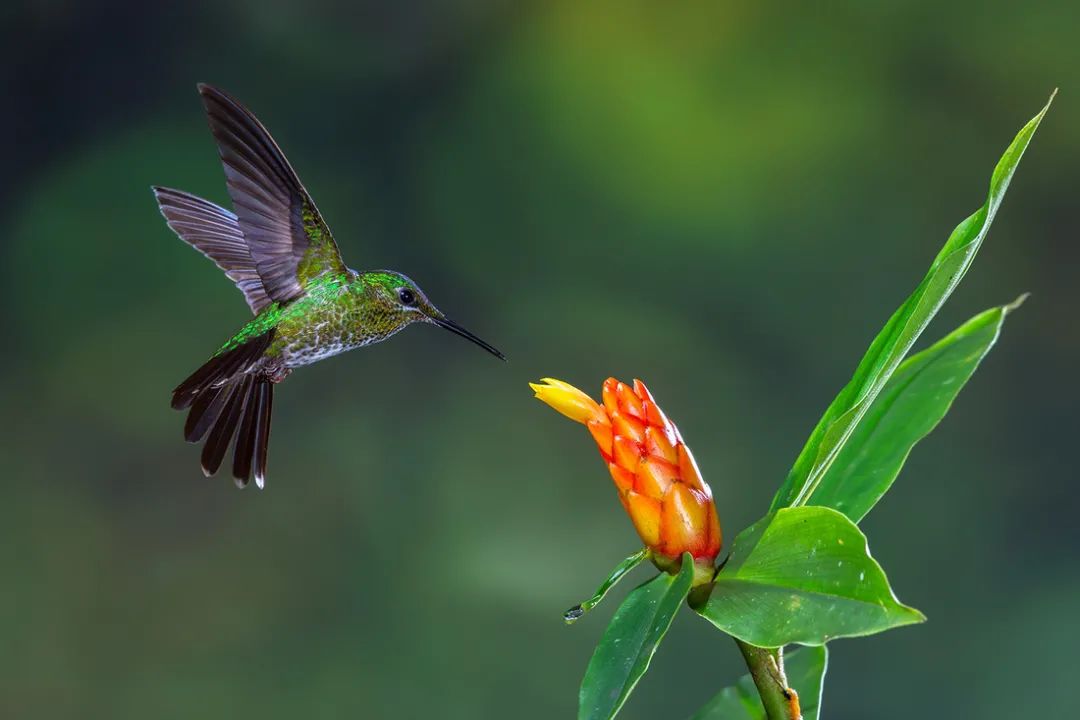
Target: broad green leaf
<point x="805" y="670"/>
<point x="803" y="575"/>
<point x="900" y="332"/>
<point x="910" y="405"/>
<point x="620" y="571"/>
<point x="628" y="644"/>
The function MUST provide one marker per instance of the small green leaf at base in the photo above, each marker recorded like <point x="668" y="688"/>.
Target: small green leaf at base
<point x="803" y="575"/>
<point x="805" y="670"/>
<point x="573" y="614"/>
<point x="910" y="405"/>
<point x="630" y="641"/>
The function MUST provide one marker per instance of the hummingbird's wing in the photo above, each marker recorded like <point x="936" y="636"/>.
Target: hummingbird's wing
<point x="289" y="242"/>
<point x="214" y="232"/>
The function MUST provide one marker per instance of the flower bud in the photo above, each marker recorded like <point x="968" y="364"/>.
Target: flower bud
<point x="655" y="474"/>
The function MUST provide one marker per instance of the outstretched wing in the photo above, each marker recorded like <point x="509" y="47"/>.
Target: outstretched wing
<point x="214" y="232"/>
<point x="288" y="240"/>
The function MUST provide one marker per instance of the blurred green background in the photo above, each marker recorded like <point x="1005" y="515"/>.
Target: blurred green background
<point x="724" y="200"/>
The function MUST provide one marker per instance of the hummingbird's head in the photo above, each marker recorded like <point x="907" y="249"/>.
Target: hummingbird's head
<point x="406" y="297"/>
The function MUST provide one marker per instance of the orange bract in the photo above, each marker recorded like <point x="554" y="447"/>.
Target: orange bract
<point x="654" y="472"/>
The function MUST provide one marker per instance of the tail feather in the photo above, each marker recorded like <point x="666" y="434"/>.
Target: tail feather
<point x="220" y="368"/>
<point x="245" y="439"/>
<point x="217" y="444"/>
<point x="254" y="434"/>
<point x="262" y="433"/>
<point x="203" y="414"/>
<point x="230" y="396"/>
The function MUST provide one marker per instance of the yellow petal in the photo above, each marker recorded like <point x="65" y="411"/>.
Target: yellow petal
<point x="558" y="383"/>
<point x="569" y="401"/>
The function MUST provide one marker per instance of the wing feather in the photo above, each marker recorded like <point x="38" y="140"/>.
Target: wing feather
<point x="286" y="236"/>
<point x="214" y="232"/>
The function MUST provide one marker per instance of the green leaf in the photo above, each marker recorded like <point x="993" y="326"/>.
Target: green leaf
<point x="900" y="332"/>
<point x="628" y="644"/>
<point x="805" y="670"/>
<point x="910" y="405"/>
<point x="620" y="571"/>
<point x="803" y="575"/>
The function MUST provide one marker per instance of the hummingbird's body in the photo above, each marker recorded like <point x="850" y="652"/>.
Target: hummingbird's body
<point x="308" y="305"/>
<point x="336" y="313"/>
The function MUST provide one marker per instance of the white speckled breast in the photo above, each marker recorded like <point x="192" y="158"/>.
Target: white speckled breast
<point x="319" y="346"/>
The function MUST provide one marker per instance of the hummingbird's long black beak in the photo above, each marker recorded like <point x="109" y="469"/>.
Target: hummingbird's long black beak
<point x="453" y="327"/>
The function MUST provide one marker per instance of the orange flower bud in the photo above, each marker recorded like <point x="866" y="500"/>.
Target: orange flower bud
<point x="654" y="472"/>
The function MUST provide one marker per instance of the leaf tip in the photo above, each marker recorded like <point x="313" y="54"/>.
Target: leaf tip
<point x="917" y="616"/>
<point x="1016" y="303"/>
<point x="1038" y="118"/>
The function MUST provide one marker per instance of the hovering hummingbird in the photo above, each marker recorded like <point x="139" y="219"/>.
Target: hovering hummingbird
<point x="308" y="305"/>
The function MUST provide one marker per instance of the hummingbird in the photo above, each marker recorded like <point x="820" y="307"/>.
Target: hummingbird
<point x="307" y="304"/>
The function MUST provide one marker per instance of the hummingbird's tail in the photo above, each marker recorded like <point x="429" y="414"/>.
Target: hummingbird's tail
<point x="230" y="396"/>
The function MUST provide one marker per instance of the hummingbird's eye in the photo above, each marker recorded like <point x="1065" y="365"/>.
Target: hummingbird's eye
<point x="406" y="296"/>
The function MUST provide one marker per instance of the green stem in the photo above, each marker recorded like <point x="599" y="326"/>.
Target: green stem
<point x="767" y="669"/>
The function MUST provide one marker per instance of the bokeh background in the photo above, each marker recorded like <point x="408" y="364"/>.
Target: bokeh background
<point x="724" y="200"/>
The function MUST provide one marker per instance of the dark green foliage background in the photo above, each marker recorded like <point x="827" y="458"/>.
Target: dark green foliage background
<point x="726" y="201"/>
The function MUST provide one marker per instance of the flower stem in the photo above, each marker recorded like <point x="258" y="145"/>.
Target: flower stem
<point x="767" y="668"/>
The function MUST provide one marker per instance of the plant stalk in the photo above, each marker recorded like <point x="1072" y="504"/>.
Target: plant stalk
<point x="767" y="668"/>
